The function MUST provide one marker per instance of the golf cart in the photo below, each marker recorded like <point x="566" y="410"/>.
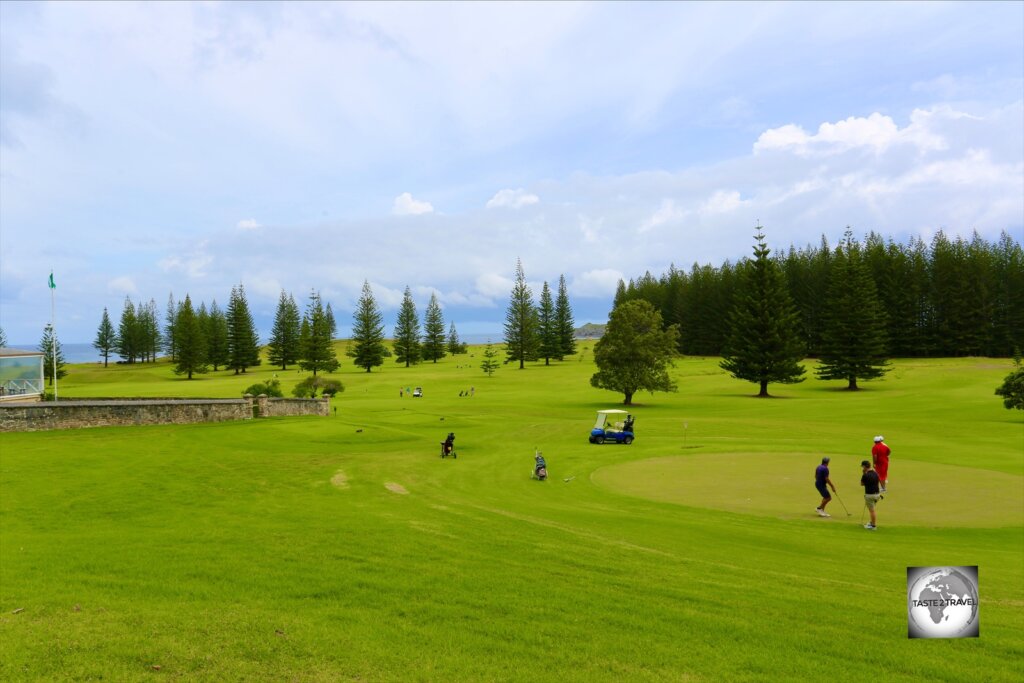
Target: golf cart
<point x="417" y="392"/>
<point x="615" y="426"/>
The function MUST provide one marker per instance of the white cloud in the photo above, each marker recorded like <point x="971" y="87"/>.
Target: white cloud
<point x="248" y="224"/>
<point x="668" y="212"/>
<point x="492" y="285"/>
<point x="512" y="199"/>
<point x="122" y="285"/>
<point x="405" y="205"/>
<point x="722" y="202"/>
<point x="596" y="283"/>
<point x="876" y="133"/>
<point x="193" y="264"/>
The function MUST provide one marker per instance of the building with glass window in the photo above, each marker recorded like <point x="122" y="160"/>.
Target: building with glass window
<point x="21" y="375"/>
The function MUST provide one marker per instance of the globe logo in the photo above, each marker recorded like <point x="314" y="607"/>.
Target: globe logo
<point x="942" y="602"/>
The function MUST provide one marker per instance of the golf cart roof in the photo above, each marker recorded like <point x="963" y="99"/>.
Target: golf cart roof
<point x="614" y="411"/>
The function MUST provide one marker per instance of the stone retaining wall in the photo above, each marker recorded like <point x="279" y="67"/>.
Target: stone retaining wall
<point x="30" y="417"/>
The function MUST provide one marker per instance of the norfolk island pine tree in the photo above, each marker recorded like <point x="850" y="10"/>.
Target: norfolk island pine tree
<point x="368" y="350"/>
<point x="521" y="321"/>
<point x="407" y="332"/>
<point x="763" y="346"/>
<point x="190" y="342"/>
<point x="105" y="337"/>
<point x="284" y="346"/>
<point x="433" y="331"/>
<point x="853" y="336"/>
<point x="316" y="347"/>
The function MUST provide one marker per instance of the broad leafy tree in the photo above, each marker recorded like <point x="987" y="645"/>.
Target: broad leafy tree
<point x="407" y="332"/>
<point x="106" y="338"/>
<point x="549" y="341"/>
<point x="368" y="350"/>
<point x="853" y="340"/>
<point x="243" y="342"/>
<point x="433" y="331"/>
<point x="764" y="346"/>
<point x="317" y="346"/>
<point x="284" y="346"/>
<point x="50" y="346"/>
<point x="564" y="322"/>
<point x="217" y="352"/>
<point x="521" y="340"/>
<point x="490" y="362"/>
<point x="635" y="352"/>
<point x="1012" y="390"/>
<point x="190" y="342"/>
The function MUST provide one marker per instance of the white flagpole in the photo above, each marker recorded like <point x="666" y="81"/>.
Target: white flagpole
<point x="53" y="331"/>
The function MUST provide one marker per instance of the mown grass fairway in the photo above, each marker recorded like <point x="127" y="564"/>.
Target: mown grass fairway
<point x="305" y="549"/>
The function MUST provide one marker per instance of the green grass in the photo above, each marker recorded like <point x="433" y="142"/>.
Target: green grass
<point x="225" y="552"/>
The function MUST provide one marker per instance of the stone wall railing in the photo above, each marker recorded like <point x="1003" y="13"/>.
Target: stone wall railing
<point x="29" y="417"/>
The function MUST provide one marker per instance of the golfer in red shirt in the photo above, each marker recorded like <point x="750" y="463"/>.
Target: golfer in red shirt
<point x="880" y="457"/>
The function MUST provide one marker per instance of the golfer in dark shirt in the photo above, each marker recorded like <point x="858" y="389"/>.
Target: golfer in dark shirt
<point x="869" y="480"/>
<point x="822" y="482"/>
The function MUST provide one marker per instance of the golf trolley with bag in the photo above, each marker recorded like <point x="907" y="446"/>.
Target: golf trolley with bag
<point x="540" y="467"/>
<point x="448" y="446"/>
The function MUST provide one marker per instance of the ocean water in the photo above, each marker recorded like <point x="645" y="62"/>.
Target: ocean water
<point x="85" y="353"/>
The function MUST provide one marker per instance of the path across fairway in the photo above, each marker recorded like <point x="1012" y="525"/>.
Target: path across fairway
<point x="782" y="485"/>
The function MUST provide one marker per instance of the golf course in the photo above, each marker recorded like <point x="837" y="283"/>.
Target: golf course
<point x="343" y="548"/>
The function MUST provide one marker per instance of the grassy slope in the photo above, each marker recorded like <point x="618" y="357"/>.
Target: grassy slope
<point x="224" y="552"/>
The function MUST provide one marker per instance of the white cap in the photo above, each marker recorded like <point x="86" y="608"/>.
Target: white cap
<point x="879" y="438"/>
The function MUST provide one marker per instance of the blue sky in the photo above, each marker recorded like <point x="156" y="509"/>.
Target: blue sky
<point x="157" y="148"/>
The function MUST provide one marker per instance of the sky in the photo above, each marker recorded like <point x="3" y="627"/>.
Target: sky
<point x="158" y="149"/>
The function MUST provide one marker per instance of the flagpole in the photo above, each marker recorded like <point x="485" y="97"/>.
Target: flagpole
<point x="53" y="332"/>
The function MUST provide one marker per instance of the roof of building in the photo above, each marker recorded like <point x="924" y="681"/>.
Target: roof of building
<point x="15" y="353"/>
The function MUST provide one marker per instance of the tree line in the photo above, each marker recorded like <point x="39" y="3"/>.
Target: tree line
<point x="198" y="339"/>
<point x="949" y="297"/>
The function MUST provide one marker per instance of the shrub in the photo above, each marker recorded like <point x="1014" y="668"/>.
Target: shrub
<point x="270" y="388"/>
<point x="308" y="387"/>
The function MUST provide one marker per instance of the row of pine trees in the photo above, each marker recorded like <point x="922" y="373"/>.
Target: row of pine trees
<point x="952" y="297"/>
<point x="194" y="338"/>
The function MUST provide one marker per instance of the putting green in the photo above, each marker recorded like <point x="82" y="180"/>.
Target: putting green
<point x="782" y="485"/>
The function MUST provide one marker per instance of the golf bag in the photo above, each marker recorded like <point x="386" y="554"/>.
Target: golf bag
<point x="540" y="472"/>
<point x="448" y="446"/>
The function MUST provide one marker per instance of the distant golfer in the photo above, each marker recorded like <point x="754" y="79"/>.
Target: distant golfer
<point x="869" y="480"/>
<point x="822" y="482"/>
<point x="880" y="457"/>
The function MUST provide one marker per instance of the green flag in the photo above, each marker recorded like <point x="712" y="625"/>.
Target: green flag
<point x="52" y="286"/>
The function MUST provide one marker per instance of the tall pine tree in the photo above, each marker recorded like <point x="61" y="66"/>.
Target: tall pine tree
<point x="853" y="336"/>
<point x="433" y="331"/>
<point x="521" y="321"/>
<point x="455" y="346"/>
<point x="106" y="338"/>
<point x="284" y="346"/>
<point x="243" y="342"/>
<point x="764" y="346"/>
<point x="128" y="343"/>
<point x="51" y="348"/>
<point x="317" y="346"/>
<point x="367" y="350"/>
<point x="407" y="332"/>
<point x="190" y="342"/>
<point x="217" y="337"/>
<point x="564" y="322"/>
<point x="550" y="342"/>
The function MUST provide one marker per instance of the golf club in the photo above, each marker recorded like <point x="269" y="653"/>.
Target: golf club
<point x="863" y="511"/>
<point x="848" y="513"/>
